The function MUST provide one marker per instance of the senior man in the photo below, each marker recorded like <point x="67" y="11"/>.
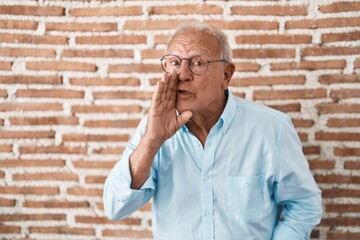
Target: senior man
<point x="218" y="167"/>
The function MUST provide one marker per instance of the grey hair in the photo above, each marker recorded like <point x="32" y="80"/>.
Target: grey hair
<point x="225" y="49"/>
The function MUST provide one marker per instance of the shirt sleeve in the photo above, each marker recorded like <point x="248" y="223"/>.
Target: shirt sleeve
<point x="295" y="189"/>
<point x="119" y="199"/>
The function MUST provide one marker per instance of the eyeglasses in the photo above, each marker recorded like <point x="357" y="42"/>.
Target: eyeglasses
<point x="197" y="65"/>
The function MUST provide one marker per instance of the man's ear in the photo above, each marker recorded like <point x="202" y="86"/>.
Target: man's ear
<point x="229" y="69"/>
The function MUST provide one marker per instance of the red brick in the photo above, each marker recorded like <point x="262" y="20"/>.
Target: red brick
<point x="247" y="66"/>
<point x="273" y="39"/>
<point x="100" y="53"/>
<point x="49" y="93"/>
<point x="127" y="233"/>
<point x="152" y="53"/>
<point x="138" y="68"/>
<point x="338" y="108"/>
<point x="129" y="123"/>
<point x="104" y="220"/>
<point x="27" y="52"/>
<point x="340" y="193"/>
<point x="2" y="174"/>
<point x="357" y="63"/>
<point x="27" y="163"/>
<point x="332" y="178"/>
<point x="153" y="24"/>
<point x="274" y="10"/>
<point x="45" y="121"/>
<point x="32" y="217"/>
<point x="338" y="151"/>
<point x="50" y="176"/>
<point x="309" y="65"/>
<point x="244" y="25"/>
<point x="119" y="39"/>
<point x="24" y="79"/>
<point x="202" y="9"/>
<point x="95" y="138"/>
<point x="336" y="235"/>
<point x="123" y="95"/>
<point x="323" y="23"/>
<point x="95" y="164"/>
<point x="161" y="39"/>
<point x="62" y="230"/>
<point x="273" y="80"/>
<point x="342" y="208"/>
<point x="322" y="164"/>
<point x="311" y="150"/>
<point x="339" y="78"/>
<point x="23" y="25"/>
<point x="340" y="7"/>
<point x="303" y="136"/>
<point x="291" y="107"/>
<point x="32" y="10"/>
<point x="337" y="136"/>
<point x="105" y="108"/>
<point x="79" y="191"/>
<point x="340" y="37"/>
<point x="52" y="149"/>
<point x="345" y="93"/>
<point x="264" y="53"/>
<point x="11" y="107"/>
<point x="95" y="179"/>
<point x="5" y="202"/>
<point x="61" y="66"/>
<point x="4" y="134"/>
<point x="81" y="27"/>
<point x="6" y="229"/>
<point x="289" y="94"/>
<point x="355" y="165"/>
<point x="130" y="81"/>
<point x="5" y="65"/>
<point x="340" y="221"/>
<point x="3" y="93"/>
<point x="33" y="39"/>
<point x="29" y="190"/>
<point x="56" y="204"/>
<point x="115" y="150"/>
<point x="303" y="123"/>
<point x="328" y="51"/>
<point x="5" y="148"/>
<point x="343" y="122"/>
<point x="104" y="11"/>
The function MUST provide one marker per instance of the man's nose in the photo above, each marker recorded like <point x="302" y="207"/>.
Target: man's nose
<point x="184" y="73"/>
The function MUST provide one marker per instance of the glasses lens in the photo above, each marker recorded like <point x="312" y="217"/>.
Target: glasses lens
<point x="170" y="63"/>
<point x="198" y="65"/>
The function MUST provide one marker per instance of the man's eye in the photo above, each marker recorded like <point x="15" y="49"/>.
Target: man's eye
<point x="198" y="63"/>
<point x="175" y="63"/>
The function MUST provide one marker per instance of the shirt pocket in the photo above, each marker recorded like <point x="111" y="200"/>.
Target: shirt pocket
<point x="245" y="198"/>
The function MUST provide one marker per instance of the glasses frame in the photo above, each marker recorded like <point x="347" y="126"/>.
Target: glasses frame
<point x="189" y="61"/>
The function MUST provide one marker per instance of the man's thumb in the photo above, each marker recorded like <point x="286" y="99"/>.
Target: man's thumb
<point x="184" y="117"/>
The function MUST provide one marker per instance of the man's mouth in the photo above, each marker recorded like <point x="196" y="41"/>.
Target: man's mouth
<point x="181" y="91"/>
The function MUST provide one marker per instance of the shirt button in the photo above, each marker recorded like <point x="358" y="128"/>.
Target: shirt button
<point x="207" y="211"/>
<point x="206" y="178"/>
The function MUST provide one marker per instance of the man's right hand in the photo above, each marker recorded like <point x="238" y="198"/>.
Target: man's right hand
<point x="163" y="120"/>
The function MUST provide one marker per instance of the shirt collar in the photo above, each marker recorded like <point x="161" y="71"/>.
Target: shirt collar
<point x="227" y="115"/>
<point x="229" y="111"/>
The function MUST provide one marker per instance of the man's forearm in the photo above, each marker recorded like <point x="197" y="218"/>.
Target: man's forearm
<point x="141" y="160"/>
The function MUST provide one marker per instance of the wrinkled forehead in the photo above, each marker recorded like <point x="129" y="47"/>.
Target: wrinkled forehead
<point x="191" y="42"/>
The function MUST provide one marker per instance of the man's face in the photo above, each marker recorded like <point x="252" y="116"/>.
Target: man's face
<point x="201" y="94"/>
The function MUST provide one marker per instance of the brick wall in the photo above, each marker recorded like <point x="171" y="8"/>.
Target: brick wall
<point x="77" y="76"/>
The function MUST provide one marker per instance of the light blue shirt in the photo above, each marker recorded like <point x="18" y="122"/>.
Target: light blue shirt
<point x="232" y="188"/>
